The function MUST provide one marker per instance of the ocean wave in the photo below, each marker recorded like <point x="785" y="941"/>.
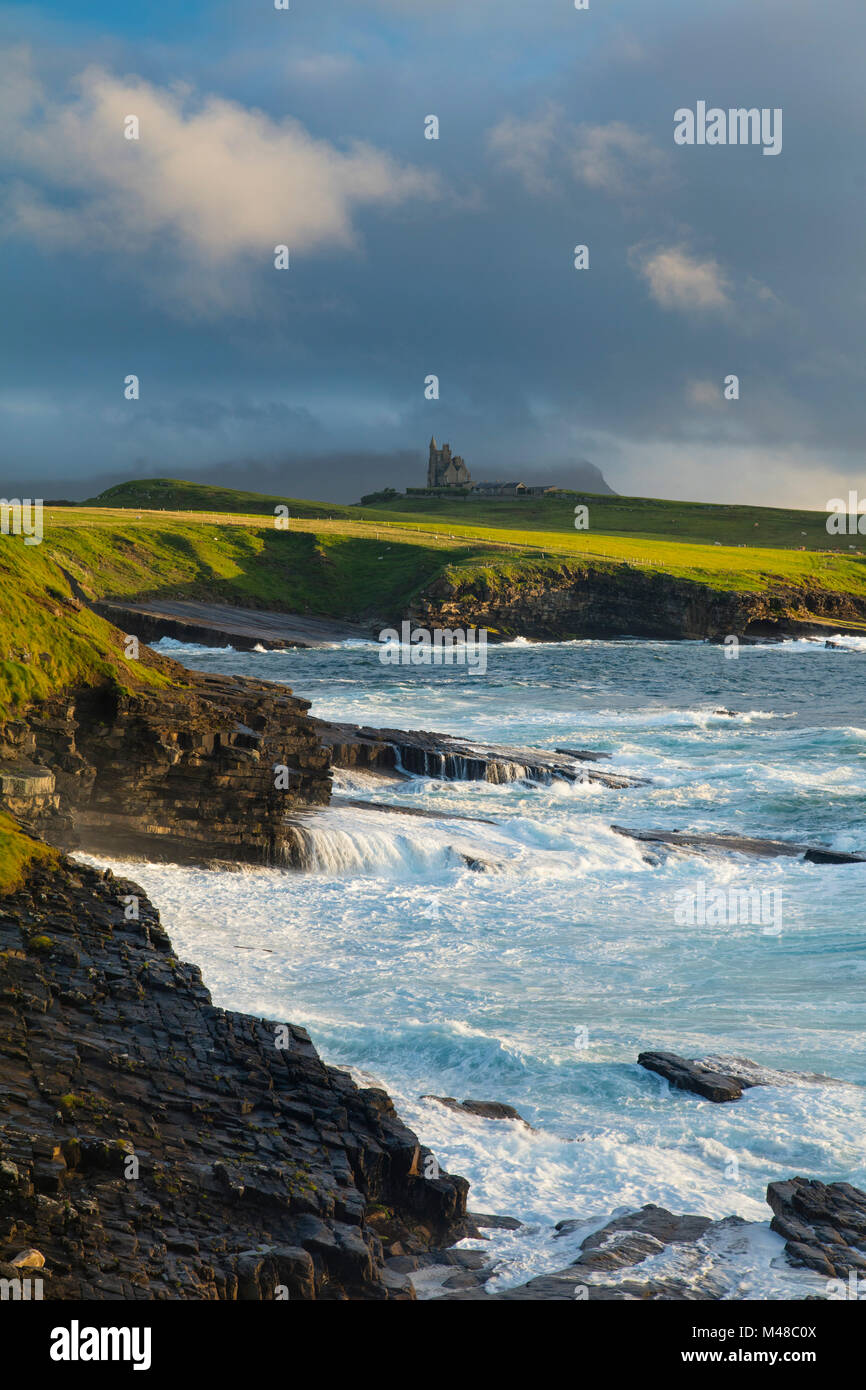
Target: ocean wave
<point x="171" y="644"/>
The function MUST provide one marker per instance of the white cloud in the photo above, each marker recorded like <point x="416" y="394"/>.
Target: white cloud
<point x="209" y="178"/>
<point x="679" y="280"/>
<point x="525" y="146"/>
<point x="614" y="159"/>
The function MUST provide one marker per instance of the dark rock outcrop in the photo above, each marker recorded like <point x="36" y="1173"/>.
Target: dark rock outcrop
<point x="625" y="1242"/>
<point x="420" y="753"/>
<point x="154" y="1146"/>
<point x="824" y="1225"/>
<point x="693" y="1076"/>
<point x="186" y="773"/>
<point x="485" y="1109"/>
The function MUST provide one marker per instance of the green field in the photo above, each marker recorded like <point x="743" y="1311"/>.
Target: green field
<point x="728" y="547"/>
<point x="643" y="518"/>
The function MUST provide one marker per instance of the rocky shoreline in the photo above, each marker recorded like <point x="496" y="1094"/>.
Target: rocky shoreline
<point x="186" y="773"/>
<point x="572" y="600"/>
<point x="155" y="1146"/>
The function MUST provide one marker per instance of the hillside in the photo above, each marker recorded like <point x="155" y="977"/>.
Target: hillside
<point x="639" y="517"/>
<point x="176" y="495"/>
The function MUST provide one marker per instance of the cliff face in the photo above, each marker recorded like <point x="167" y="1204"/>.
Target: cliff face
<point x="189" y="774"/>
<point x="582" y="601"/>
<point x="154" y="1146"/>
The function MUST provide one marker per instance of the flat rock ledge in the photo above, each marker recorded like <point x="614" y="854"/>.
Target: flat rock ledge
<point x="741" y="844"/>
<point x="153" y="1146"/>
<point x="483" y="1109"/>
<point x="218" y="624"/>
<point x="420" y="753"/>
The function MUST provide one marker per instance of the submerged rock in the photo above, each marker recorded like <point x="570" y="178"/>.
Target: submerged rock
<point x="750" y="1073"/>
<point x="480" y="863"/>
<point x="741" y="844"/>
<point x="583" y="755"/>
<point x="629" y="1239"/>
<point x="485" y="1109"/>
<point x="725" y="1078"/>
<point x="623" y="1243"/>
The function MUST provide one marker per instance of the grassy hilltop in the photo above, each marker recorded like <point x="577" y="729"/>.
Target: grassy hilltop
<point x="644" y="518"/>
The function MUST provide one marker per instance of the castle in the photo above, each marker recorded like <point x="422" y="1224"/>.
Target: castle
<point x="445" y="471"/>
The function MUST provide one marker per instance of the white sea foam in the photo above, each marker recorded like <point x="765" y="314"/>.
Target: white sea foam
<point x="434" y="978"/>
<point x="189" y="649"/>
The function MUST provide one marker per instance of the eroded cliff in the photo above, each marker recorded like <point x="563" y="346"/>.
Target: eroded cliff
<point x="567" y="601"/>
<point x="155" y="1146"/>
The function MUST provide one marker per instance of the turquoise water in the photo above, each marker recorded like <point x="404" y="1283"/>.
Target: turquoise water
<point x="539" y="982"/>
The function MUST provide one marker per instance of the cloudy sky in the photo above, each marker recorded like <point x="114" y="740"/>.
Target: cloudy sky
<point x="411" y="257"/>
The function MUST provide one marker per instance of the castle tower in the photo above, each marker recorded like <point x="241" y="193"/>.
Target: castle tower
<point x="445" y="471"/>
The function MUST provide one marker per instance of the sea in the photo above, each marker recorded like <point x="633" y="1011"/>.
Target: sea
<point x="539" y="981"/>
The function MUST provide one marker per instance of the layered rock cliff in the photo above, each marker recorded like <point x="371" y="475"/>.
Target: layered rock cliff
<point x="209" y="770"/>
<point x="154" y="1146"/>
<point x="575" y="601"/>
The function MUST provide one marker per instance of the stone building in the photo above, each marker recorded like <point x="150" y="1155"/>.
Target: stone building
<point x="513" y="489"/>
<point x="443" y="470"/>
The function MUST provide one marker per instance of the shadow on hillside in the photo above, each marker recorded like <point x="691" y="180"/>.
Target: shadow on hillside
<point x="318" y="574"/>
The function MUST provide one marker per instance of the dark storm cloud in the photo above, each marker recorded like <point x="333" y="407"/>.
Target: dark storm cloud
<point x="412" y="257"/>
